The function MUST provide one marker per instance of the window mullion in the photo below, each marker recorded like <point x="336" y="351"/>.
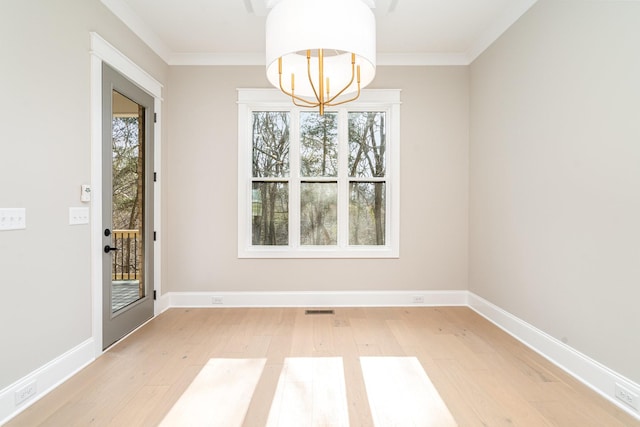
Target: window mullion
<point x="388" y="168"/>
<point x="343" y="178"/>
<point x="393" y="175"/>
<point x="294" y="179"/>
<point x="245" y="175"/>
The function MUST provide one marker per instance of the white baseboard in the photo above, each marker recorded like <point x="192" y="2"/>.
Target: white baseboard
<point x="45" y="379"/>
<point x="593" y="374"/>
<point x="318" y="299"/>
<point x="163" y="303"/>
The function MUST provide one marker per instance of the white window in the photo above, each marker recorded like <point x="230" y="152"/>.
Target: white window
<point x="318" y="186"/>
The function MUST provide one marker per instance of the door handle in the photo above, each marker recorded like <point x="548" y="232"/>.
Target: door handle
<point x="108" y="249"/>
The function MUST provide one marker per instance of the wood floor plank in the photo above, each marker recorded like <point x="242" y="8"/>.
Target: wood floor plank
<point x="471" y="398"/>
<point x="171" y="396"/>
<point x="263" y="395"/>
<point x="576" y="414"/>
<point x="515" y="405"/>
<point x="302" y="335"/>
<point x="137" y="410"/>
<point x="310" y="392"/>
<point x="359" y="410"/>
<point x="530" y="387"/>
<point x="323" y="341"/>
<point x="484" y="376"/>
<point x="344" y="341"/>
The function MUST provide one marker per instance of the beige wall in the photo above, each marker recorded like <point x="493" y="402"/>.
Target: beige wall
<point x="201" y="198"/>
<point x="555" y="173"/>
<point x="45" y="309"/>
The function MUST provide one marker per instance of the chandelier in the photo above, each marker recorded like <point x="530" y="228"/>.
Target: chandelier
<point x="321" y="53"/>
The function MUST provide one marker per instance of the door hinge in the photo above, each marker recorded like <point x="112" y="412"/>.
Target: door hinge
<point x="154" y="294"/>
<point x="154" y="236"/>
<point x="155" y="176"/>
<point x="155" y="117"/>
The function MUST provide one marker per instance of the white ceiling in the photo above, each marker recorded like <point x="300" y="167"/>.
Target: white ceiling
<point x="231" y="32"/>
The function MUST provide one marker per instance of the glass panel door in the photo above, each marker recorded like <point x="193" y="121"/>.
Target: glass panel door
<point x="127" y="206"/>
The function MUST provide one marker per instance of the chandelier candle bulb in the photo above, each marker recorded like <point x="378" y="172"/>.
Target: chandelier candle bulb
<point x="321" y="68"/>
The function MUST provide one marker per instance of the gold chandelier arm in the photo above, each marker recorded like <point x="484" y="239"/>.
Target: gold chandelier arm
<point x="321" y="80"/>
<point x="353" y="62"/>
<point x="308" y="104"/>
<point x="344" y="101"/>
<point x="315" y="92"/>
<point x="280" y="77"/>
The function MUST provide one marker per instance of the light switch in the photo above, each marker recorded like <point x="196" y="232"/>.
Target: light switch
<point x="13" y="218"/>
<point x="78" y="216"/>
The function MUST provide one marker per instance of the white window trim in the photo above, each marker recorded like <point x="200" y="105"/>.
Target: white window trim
<point x="272" y="99"/>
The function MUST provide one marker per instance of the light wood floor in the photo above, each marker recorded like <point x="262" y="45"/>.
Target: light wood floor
<point x="485" y="377"/>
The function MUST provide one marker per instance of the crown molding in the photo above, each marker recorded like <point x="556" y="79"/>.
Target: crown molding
<point x="383" y="59"/>
<point x="139" y="27"/>
<point x="498" y="27"/>
<point x="421" y="59"/>
<point x="217" y="59"/>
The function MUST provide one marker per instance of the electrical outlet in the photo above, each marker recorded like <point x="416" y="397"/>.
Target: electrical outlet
<point x="627" y="396"/>
<point x="418" y="299"/>
<point x="25" y="392"/>
<point x="216" y="300"/>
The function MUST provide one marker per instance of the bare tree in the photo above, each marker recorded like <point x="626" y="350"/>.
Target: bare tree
<point x="367" y="147"/>
<point x="128" y="188"/>
<point x="318" y="158"/>
<point x="270" y="160"/>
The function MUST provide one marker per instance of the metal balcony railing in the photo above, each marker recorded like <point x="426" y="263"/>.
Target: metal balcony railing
<point x="127" y="261"/>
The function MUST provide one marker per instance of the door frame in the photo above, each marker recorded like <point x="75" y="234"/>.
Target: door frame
<point x="102" y="51"/>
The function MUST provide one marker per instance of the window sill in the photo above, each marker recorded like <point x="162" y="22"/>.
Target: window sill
<point x="313" y="252"/>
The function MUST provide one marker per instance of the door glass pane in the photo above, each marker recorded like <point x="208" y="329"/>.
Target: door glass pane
<point x="127" y="272"/>
<point x="318" y="213"/>
<point x="367" y="213"/>
<point x="318" y="144"/>
<point x="270" y="213"/>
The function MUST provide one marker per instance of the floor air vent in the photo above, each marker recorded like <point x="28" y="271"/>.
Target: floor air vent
<point x="318" y="312"/>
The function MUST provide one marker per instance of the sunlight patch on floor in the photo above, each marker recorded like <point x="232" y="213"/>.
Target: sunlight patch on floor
<point x="219" y="395"/>
<point x="400" y="393"/>
<point x="311" y="392"/>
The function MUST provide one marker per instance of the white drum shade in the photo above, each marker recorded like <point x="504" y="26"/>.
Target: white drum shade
<point x="339" y="27"/>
